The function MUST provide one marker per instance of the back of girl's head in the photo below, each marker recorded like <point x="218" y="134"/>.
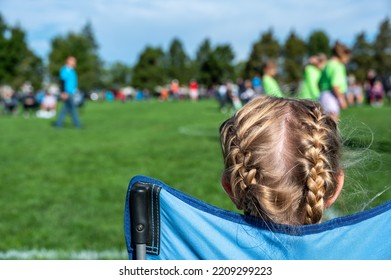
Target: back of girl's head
<point x="281" y="159"/>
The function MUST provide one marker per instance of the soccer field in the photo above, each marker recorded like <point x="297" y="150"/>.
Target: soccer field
<point x="63" y="190"/>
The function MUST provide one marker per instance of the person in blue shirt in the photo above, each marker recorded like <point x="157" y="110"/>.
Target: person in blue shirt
<point x="69" y="84"/>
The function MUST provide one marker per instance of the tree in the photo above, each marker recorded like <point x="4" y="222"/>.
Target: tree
<point x="117" y="75"/>
<point x="215" y="65"/>
<point x="82" y="45"/>
<point x="18" y="63"/>
<point x="362" y="57"/>
<point x="266" y="48"/>
<point x="202" y="62"/>
<point x="224" y="56"/>
<point x="177" y="62"/>
<point x="294" y="53"/>
<point x="148" y="72"/>
<point x="318" y="42"/>
<point x="382" y="47"/>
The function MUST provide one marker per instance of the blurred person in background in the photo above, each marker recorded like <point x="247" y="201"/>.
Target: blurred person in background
<point x="333" y="81"/>
<point x="9" y="101"/>
<point x="355" y="94"/>
<point x="69" y="84"/>
<point x="48" y="105"/>
<point x="312" y="71"/>
<point x="29" y="101"/>
<point x="270" y="85"/>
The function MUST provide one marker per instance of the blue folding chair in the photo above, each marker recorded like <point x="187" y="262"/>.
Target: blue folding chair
<point x="162" y="223"/>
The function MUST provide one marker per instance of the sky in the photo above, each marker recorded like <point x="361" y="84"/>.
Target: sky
<point x="123" y="28"/>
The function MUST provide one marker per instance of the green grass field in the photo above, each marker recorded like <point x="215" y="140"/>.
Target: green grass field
<point x="63" y="190"/>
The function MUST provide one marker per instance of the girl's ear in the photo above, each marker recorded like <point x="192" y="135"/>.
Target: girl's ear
<point x="226" y="186"/>
<point x="340" y="182"/>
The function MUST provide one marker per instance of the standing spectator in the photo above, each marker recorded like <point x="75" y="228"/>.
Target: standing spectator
<point x="69" y="83"/>
<point x="368" y="84"/>
<point x="333" y="81"/>
<point x="174" y="89"/>
<point x="193" y="90"/>
<point x="270" y="85"/>
<point x="222" y="97"/>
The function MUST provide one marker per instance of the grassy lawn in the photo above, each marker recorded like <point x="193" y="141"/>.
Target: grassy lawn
<point x="64" y="189"/>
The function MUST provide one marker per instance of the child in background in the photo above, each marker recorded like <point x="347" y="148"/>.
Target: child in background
<point x="48" y="106"/>
<point x="333" y="81"/>
<point x="270" y="85"/>
<point x="312" y="71"/>
<point x="355" y="94"/>
<point x="281" y="160"/>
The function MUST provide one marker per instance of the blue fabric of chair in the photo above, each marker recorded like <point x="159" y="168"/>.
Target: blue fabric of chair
<point x="191" y="229"/>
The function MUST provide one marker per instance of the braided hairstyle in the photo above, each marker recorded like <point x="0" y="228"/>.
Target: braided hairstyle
<point x="281" y="159"/>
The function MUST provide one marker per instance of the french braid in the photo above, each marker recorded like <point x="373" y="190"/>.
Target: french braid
<point x="318" y="145"/>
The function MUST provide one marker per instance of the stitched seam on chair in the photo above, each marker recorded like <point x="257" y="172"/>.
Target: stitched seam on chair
<point x="158" y="220"/>
<point x="154" y="247"/>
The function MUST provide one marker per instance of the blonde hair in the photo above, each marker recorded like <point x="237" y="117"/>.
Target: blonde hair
<point x="281" y="159"/>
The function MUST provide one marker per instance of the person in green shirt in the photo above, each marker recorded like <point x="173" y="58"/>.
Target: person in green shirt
<point x="312" y="71"/>
<point x="333" y="81"/>
<point x="270" y="85"/>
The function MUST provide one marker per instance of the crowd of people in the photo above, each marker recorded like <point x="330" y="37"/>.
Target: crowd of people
<point x="42" y="104"/>
<point x="324" y="79"/>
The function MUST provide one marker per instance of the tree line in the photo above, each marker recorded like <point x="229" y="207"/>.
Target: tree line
<point x="211" y="64"/>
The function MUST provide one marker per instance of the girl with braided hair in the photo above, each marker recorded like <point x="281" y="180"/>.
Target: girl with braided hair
<point x="281" y="160"/>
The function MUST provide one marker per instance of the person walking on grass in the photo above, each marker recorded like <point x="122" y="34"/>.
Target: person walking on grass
<point x="69" y="84"/>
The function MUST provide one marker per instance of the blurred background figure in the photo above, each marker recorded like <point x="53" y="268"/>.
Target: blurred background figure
<point x="248" y="93"/>
<point x="312" y="71"/>
<point x="69" y="86"/>
<point x="368" y="84"/>
<point x="354" y="95"/>
<point x="257" y="84"/>
<point x="48" y="105"/>
<point x="374" y="89"/>
<point x="376" y="96"/>
<point x="193" y="90"/>
<point x="29" y="101"/>
<point x="174" y="89"/>
<point x="269" y="83"/>
<point x="9" y="101"/>
<point x="333" y="81"/>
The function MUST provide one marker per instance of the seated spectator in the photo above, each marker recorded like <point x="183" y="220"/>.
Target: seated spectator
<point x="30" y="103"/>
<point x="376" y="94"/>
<point x="9" y="100"/>
<point x="354" y="94"/>
<point x="48" y="106"/>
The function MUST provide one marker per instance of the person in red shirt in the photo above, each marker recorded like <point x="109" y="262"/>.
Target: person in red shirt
<point x="193" y="90"/>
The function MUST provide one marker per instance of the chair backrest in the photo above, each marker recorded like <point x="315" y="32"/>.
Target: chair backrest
<point x="179" y="226"/>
